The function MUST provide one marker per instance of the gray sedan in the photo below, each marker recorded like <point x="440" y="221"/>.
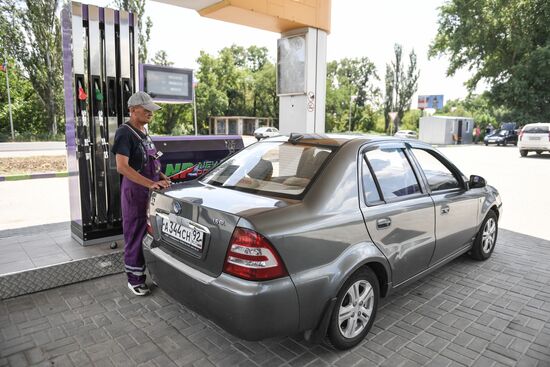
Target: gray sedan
<point x="306" y="233"/>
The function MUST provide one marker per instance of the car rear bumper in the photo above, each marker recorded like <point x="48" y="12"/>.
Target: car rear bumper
<point x="541" y="146"/>
<point x="246" y="309"/>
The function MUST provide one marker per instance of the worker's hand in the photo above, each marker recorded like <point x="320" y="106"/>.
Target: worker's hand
<point x="162" y="184"/>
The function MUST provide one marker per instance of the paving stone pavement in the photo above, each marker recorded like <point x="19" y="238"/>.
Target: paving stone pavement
<point x="468" y="313"/>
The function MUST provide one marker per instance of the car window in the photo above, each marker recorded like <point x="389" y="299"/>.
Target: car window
<point x="536" y="129"/>
<point x="370" y="191"/>
<point x="274" y="167"/>
<point x="393" y="172"/>
<point x="438" y="175"/>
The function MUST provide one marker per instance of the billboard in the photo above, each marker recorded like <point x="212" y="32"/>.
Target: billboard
<point x="431" y="101"/>
<point x="167" y="84"/>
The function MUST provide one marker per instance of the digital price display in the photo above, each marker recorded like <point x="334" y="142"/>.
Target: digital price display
<point x="167" y="84"/>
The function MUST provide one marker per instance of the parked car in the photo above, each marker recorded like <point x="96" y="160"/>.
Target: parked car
<point x="265" y="132"/>
<point x="501" y="137"/>
<point x="534" y="138"/>
<point x="307" y="233"/>
<point x="406" y="134"/>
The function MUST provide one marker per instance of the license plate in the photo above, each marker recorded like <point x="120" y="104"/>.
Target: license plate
<point x="192" y="237"/>
<point x="534" y="138"/>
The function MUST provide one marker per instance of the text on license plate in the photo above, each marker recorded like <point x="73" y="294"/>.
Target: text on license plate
<point x="534" y="138"/>
<point x="190" y="236"/>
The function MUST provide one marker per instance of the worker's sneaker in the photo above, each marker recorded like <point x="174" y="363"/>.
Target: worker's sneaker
<point x="139" y="290"/>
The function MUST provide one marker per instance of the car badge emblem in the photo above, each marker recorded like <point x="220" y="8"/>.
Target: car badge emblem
<point x="177" y="207"/>
<point x="219" y="222"/>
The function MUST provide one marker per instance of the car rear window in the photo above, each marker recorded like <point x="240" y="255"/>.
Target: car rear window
<point x="541" y="129"/>
<point x="278" y="168"/>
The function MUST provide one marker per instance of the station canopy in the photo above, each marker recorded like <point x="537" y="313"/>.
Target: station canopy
<point x="271" y="15"/>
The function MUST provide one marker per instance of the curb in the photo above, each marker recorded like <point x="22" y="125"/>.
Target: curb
<point x="34" y="176"/>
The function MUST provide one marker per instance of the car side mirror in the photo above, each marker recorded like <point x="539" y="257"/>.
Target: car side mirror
<point x="476" y="182"/>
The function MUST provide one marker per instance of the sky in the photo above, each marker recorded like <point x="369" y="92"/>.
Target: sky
<point x="359" y="28"/>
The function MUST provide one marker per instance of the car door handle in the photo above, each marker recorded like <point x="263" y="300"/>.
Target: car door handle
<point x="445" y="210"/>
<point x="383" y="223"/>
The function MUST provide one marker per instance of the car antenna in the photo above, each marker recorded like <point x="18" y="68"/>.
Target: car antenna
<point x="295" y="138"/>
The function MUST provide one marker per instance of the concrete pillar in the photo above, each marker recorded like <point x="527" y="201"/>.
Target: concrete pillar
<point x="301" y="80"/>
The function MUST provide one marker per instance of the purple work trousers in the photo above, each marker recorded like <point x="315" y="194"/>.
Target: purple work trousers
<point x="134" y="200"/>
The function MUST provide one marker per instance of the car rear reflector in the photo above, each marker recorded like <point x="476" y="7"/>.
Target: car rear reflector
<point x="250" y="256"/>
<point x="521" y="135"/>
<point x="149" y="227"/>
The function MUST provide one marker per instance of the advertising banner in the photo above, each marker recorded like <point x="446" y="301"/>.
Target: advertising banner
<point x="430" y="101"/>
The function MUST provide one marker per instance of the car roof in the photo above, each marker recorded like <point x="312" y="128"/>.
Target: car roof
<point x="336" y="140"/>
<point x="539" y="124"/>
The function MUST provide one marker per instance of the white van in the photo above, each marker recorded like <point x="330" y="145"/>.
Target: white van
<point x="534" y="138"/>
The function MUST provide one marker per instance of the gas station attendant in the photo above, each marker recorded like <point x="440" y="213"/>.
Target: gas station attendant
<point x="137" y="160"/>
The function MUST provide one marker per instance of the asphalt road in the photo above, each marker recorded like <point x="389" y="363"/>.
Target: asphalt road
<point x="31" y="149"/>
<point x="32" y="146"/>
<point x="522" y="182"/>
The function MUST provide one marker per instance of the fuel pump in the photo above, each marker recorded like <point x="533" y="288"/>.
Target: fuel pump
<point x="99" y="67"/>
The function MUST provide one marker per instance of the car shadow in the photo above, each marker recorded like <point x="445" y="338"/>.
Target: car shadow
<point x="537" y="156"/>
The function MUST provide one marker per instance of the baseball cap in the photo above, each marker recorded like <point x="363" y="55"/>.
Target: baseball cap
<point x="144" y="100"/>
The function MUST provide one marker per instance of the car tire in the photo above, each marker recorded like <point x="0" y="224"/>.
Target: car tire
<point x="504" y="143"/>
<point x="486" y="144"/>
<point x="357" y="303"/>
<point x="486" y="238"/>
<point x="523" y="153"/>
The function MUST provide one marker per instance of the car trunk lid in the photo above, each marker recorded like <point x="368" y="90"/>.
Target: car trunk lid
<point x="195" y="223"/>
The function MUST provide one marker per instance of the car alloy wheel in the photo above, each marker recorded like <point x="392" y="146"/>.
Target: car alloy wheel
<point x="356" y="309"/>
<point x="486" y="238"/>
<point x="489" y="234"/>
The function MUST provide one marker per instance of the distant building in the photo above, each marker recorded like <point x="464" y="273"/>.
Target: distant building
<point x="446" y="130"/>
<point x="237" y="125"/>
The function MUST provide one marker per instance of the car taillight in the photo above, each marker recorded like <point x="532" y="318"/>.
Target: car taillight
<point x="250" y="256"/>
<point x="521" y="135"/>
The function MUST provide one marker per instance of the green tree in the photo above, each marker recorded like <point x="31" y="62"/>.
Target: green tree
<point x="411" y="120"/>
<point x="352" y="95"/>
<point x="211" y="101"/>
<point x="29" y="122"/>
<point x="236" y="82"/>
<point x="144" y="35"/>
<point x="33" y="38"/>
<point x="506" y="43"/>
<point x="171" y="119"/>
<point x="401" y="84"/>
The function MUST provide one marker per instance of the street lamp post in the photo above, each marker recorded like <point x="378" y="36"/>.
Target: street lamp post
<point x="9" y="96"/>
<point x="351" y="99"/>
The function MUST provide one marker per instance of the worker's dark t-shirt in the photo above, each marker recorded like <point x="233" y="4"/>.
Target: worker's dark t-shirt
<point x="128" y="144"/>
